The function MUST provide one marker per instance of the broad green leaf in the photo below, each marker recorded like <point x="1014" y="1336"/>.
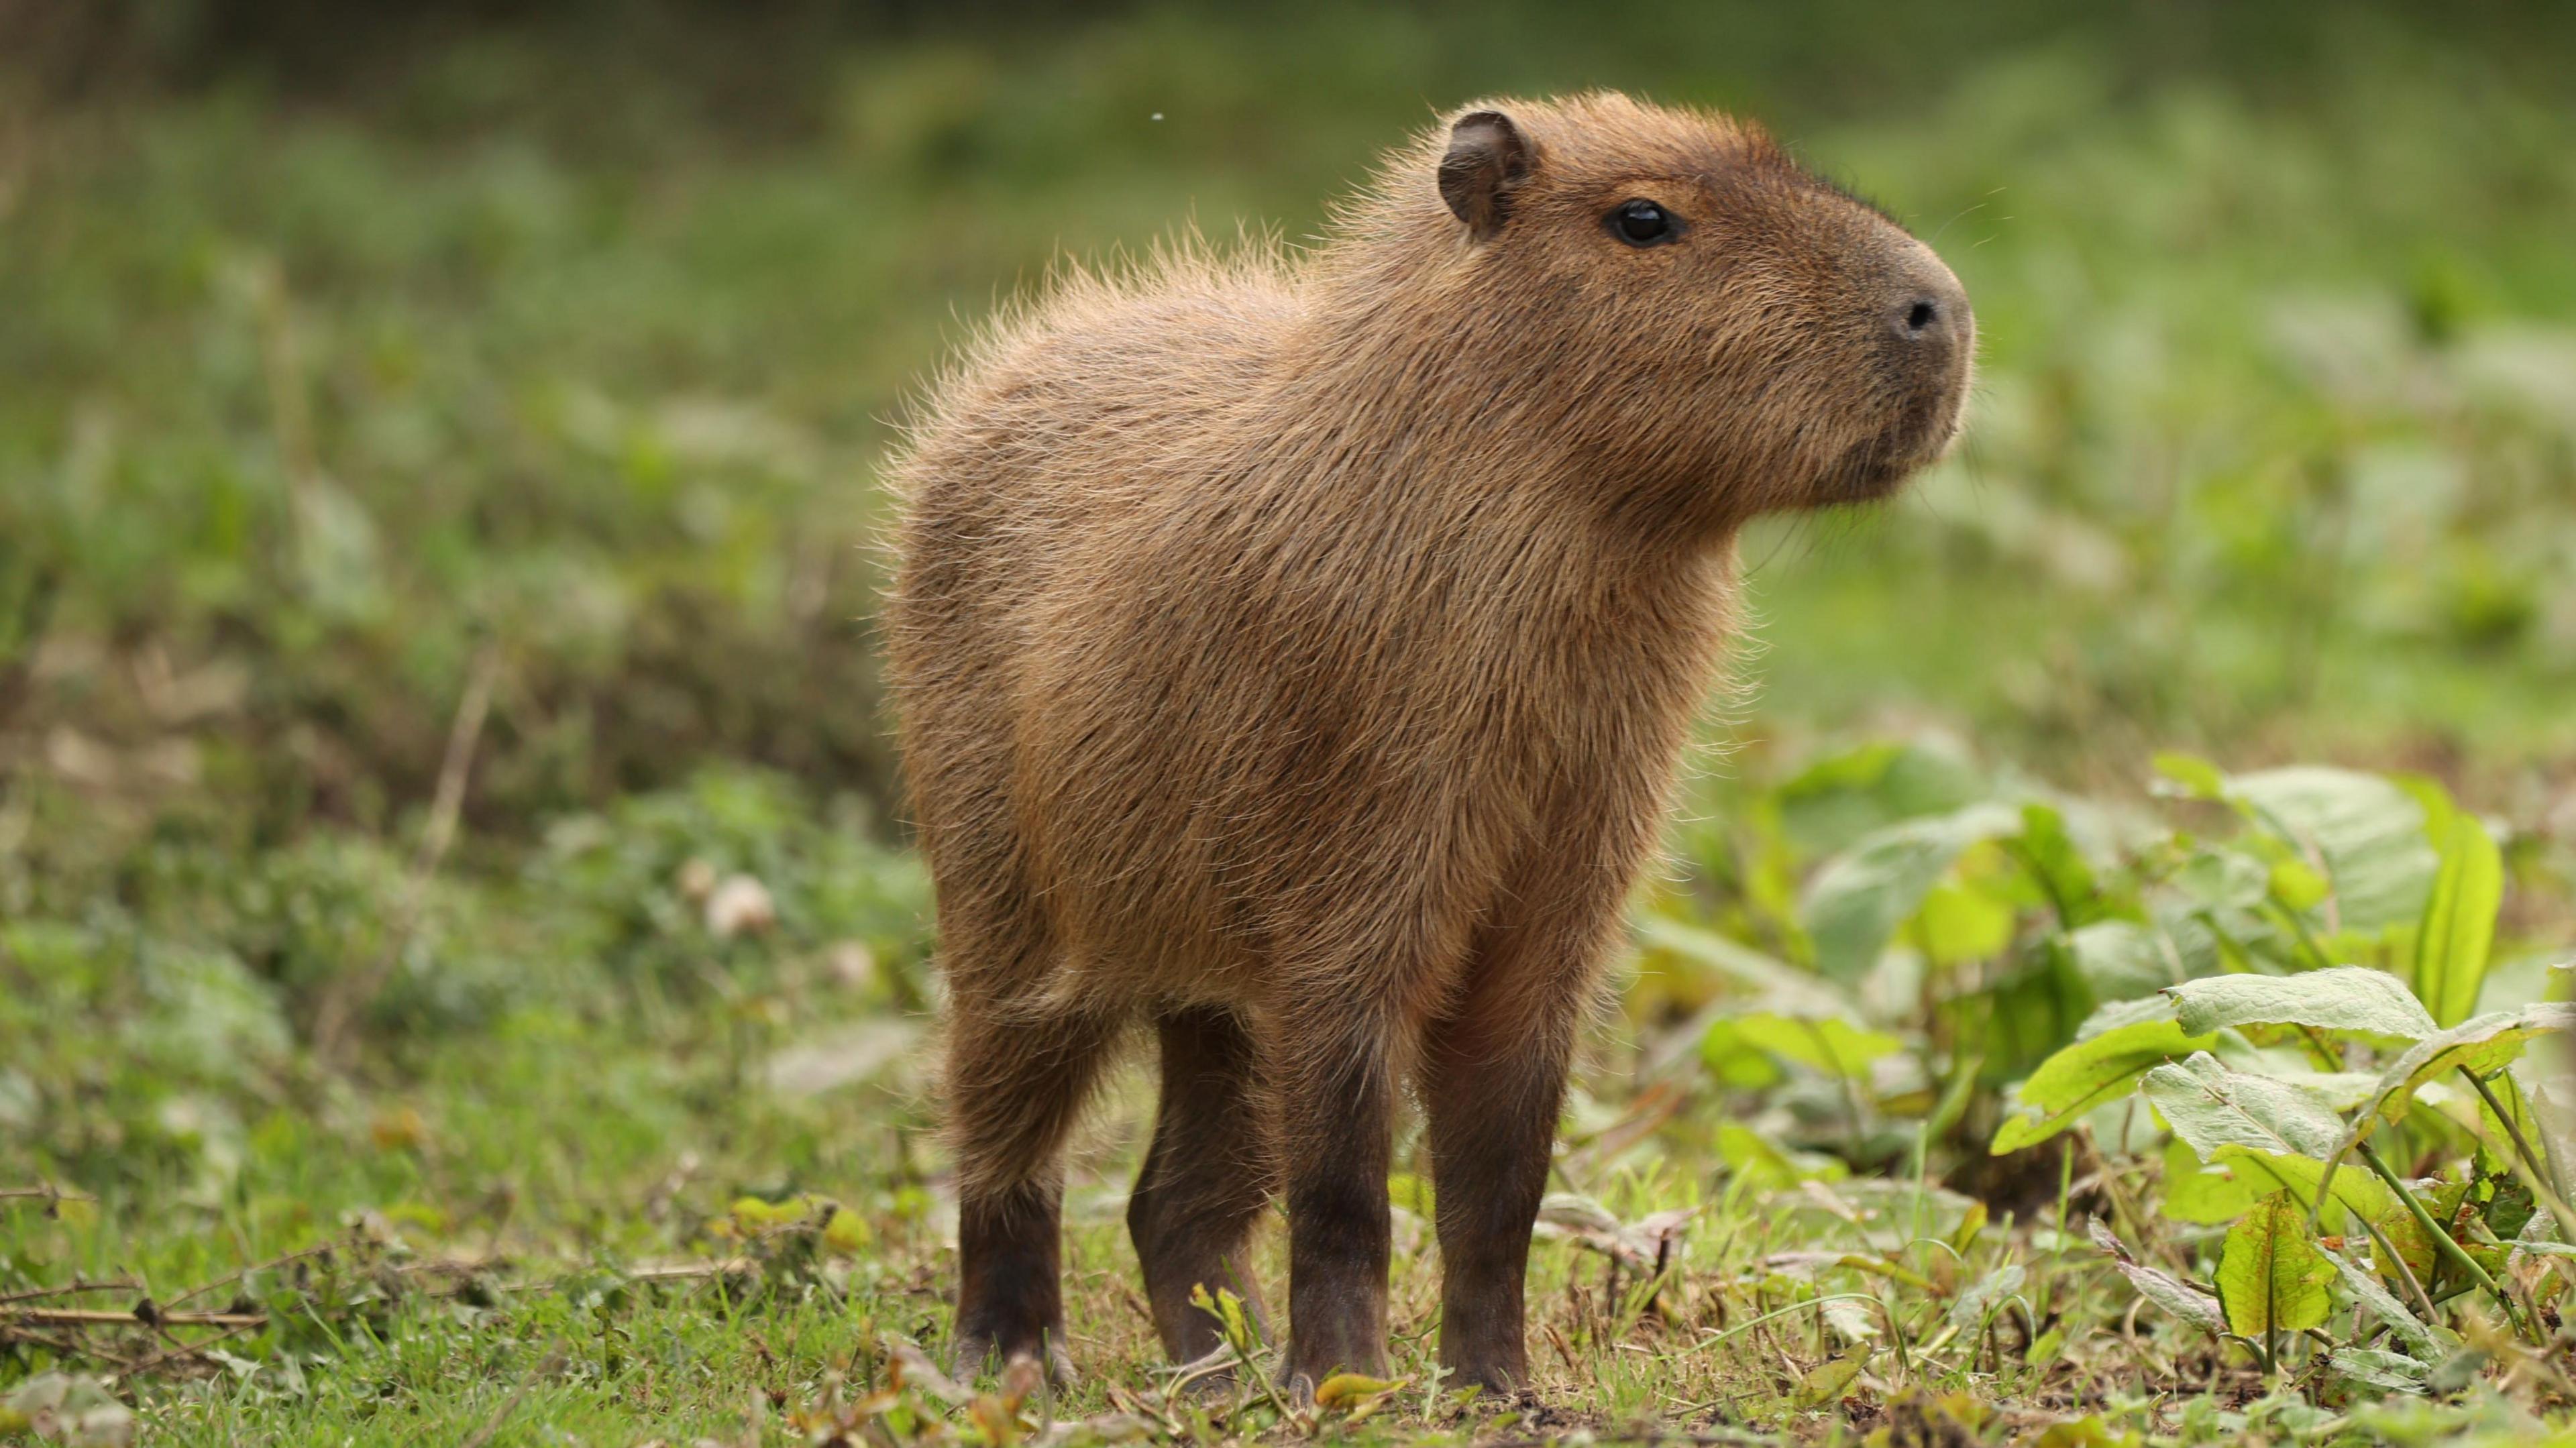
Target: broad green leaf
<point x="2271" y="1277"/>
<point x="2452" y="946"/>
<point x="2383" y="1304"/>
<point x="1831" y="1044"/>
<point x="1851" y="1320"/>
<point x="1985" y="1295"/>
<point x="1958" y="922"/>
<point x="2112" y="1015"/>
<point x="2349" y="999"/>
<point x="2120" y="959"/>
<point x="2352" y="1189"/>
<point x="2194" y="1192"/>
<point x="2337" y="1091"/>
<point x="2188" y="1303"/>
<point x="2481" y="1044"/>
<point x="2090" y="1072"/>
<point x="1829" y="1379"/>
<point x="2388" y="1371"/>
<point x="1860" y="897"/>
<point x="1732" y="1058"/>
<point x="2367" y="832"/>
<point x="2211" y="1107"/>
<point x="2198" y="777"/>
<point x="2022" y="1012"/>
<point x="2297" y="886"/>
<point x="2060" y="868"/>
<point x="1839" y="798"/>
<point x="2413" y="1245"/>
<point x="1766" y="976"/>
<point x="1765" y="1165"/>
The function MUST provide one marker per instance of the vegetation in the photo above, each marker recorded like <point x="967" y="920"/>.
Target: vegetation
<point x="459" y="964"/>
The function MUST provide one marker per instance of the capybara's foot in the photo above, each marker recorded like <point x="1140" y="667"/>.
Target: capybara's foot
<point x="975" y="1352"/>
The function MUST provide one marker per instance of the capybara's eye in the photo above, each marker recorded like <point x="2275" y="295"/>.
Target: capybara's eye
<point x="1643" y="223"/>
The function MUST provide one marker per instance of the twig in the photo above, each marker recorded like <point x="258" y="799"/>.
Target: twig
<point x="86" y="1317"/>
<point x="70" y="1290"/>
<point x="341" y="1007"/>
<point x="684" y="1271"/>
<point x="239" y="1273"/>
<point x="74" y="1348"/>
<point x="44" y="1192"/>
<point x="185" y="1350"/>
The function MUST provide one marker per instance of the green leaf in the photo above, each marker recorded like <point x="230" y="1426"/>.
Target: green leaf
<point x="1979" y="1298"/>
<point x="1733" y="1059"/>
<point x="2194" y="1192"/>
<point x="2094" y="1070"/>
<point x="1829" y="1379"/>
<point x="2198" y="777"/>
<point x="2211" y="1107"/>
<point x="2452" y="946"/>
<point x="1959" y="922"/>
<point x="2367" y="832"/>
<point x="2185" y="1302"/>
<point x="1762" y="975"/>
<point x="2263" y="1173"/>
<point x="1765" y="1165"/>
<point x="2120" y="959"/>
<point x="1860" y="897"/>
<point x="2271" y="1277"/>
<point x="2348" y="999"/>
<point x="2481" y="1044"/>
<point x="1831" y="1044"/>
<point x="2388" y="1371"/>
<point x="2297" y="886"/>
<point x="2383" y="1304"/>
<point x="2061" y="869"/>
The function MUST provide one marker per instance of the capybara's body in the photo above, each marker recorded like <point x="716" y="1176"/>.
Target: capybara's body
<point x="1295" y="653"/>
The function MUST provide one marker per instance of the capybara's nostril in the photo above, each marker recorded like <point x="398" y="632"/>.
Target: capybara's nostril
<point x="1922" y="314"/>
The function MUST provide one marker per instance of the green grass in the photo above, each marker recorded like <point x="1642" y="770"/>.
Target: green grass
<point x="554" y="364"/>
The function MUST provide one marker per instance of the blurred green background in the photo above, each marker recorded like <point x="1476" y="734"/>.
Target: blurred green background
<point x="339" y="350"/>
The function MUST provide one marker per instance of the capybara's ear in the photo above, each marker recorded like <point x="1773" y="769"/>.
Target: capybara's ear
<point x="1487" y="157"/>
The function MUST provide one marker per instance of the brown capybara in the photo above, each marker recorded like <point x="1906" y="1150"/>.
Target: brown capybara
<point x="1296" y="651"/>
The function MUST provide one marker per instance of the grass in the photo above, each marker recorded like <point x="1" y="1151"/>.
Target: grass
<point x="549" y="366"/>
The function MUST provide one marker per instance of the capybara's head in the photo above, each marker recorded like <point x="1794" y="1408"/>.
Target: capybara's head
<point x="1696" y="307"/>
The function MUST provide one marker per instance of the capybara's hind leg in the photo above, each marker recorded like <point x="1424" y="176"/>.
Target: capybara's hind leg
<point x="1206" y="1177"/>
<point x="1014" y="1088"/>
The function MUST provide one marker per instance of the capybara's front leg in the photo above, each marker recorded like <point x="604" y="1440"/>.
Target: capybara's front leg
<point x="1492" y="1082"/>
<point x="1335" y="1098"/>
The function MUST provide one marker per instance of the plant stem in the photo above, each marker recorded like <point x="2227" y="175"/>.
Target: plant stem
<point x="2530" y="1158"/>
<point x="2442" y="1240"/>
<point x="2379" y="1242"/>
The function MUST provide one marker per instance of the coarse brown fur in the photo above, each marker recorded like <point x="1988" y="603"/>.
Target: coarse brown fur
<point x="1295" y="651"/>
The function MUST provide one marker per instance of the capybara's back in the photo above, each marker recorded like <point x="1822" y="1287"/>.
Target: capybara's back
<point x="1293" y="653"/>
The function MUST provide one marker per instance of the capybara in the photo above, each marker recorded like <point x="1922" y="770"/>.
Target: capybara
<point x="1295" y="651"/>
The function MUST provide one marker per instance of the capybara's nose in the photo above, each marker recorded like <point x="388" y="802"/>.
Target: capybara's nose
<point x="1931" y="311"/>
